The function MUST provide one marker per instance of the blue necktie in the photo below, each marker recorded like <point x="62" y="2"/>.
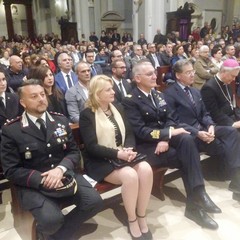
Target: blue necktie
<point x="69" y="81"/>
<point x="187" y="91"/>
<point x="93" y="71"/>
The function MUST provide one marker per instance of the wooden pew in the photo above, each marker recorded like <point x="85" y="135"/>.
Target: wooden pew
<point x="4" y="183"/>
<point x="24" y="222"/>
<point x="161" y="71"/>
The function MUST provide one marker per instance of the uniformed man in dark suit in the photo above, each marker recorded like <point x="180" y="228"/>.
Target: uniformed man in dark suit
<point x="165" y="145"/>
<point x="38" y="151"/>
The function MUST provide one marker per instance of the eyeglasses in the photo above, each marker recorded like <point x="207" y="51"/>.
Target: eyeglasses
<point x="119" y="56"/>
<point x="189" y="73"/>
<point x="149" y="74"/>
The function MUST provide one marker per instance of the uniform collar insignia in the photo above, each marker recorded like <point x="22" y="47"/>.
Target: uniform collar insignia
<point x="24" y="119"/>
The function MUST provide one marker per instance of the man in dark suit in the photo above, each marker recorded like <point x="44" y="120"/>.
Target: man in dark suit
<point x="188" y="111"/>
<point x="218" y="96"/>
<point x="37" y="151"/>
<point x="153" y="56"/>
<point x="95" y="68"/>
<point x="160" y="38"/>
<point x="166" y="145"/>
<point x="9" y="102"/>
<point x="9" y="107"/>
<point x="115" y="37"/>
<point x="167" y="54"/>
<point x="121" y="86"/>
<point x="66" y="78"/>
<point x="15" y="74"/>
<point x="138" y="54"/>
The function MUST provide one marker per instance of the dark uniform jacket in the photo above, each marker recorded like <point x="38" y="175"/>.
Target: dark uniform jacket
<point x="148" y="122"/>
<point x="26" y="153"/>
<point x="12" y="108"/>
<point x="216" y="103"/>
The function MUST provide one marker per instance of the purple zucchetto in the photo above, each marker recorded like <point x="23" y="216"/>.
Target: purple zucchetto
<point x="230" y="64"/>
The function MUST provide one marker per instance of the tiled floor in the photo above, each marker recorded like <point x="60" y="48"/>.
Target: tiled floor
<point x="166" y="219"/>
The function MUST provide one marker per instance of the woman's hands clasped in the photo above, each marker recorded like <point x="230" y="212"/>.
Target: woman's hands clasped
<point x="126" y="154"/>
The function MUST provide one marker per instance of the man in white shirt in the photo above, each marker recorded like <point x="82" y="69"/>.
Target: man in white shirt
<point x="121" y="86"/>
<point x="153" y="56"/>
<point x="66" y="78"/>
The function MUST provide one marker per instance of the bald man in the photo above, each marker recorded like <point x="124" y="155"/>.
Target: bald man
<point x="15" y="74"/>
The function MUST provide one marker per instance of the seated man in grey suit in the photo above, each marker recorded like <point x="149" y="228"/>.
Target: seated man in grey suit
<point x="121" y="86"/>
<point x="77" y="95"/>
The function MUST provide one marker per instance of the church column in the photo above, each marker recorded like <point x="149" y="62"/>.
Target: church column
<point x="69" y="4"/>
<point x="9" y="20"/>
<point x="85" y="18"/>
<point x="97" y="17"/>
<point x="135" y="19"/>
<point x="110" y="5"/>
<point x="78" y="18"/>
<point x="29" y="16"/>
<point x="155" y="18"/>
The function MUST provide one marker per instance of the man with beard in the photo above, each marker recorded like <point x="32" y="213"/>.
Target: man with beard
<point x="121" y="86"/>
<point x="38" y="153"/>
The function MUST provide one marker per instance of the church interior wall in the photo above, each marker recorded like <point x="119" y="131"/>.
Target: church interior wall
<point x="149" y="18"/>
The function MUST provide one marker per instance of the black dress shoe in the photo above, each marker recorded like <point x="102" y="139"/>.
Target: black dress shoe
<point x="236" y="196"/>
<point x="200" y="217"/>
<point x="147" y="235"/>
<point x="42" y="236"/>
<point x="204" y="201"/>
<point x="129" y="231"/>
<point x="234" y="187"/>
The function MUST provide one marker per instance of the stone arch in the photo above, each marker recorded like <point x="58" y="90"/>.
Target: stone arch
<point x="112" y="20"/>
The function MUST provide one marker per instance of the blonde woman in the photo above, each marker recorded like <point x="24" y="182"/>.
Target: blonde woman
<point x="107" y="135"/>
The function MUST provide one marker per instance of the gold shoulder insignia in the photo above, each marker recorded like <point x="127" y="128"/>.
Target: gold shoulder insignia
<point x="155" y="134"/>
<point x="8" y="121"/>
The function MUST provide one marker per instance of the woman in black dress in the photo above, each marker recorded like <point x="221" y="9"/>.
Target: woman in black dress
<point x="107" y="135"/>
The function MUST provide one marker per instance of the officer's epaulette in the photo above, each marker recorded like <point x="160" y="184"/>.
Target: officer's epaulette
<point x="56" y="113"/>
<point x="8" y="122"/>
<point x="129" y="95"/>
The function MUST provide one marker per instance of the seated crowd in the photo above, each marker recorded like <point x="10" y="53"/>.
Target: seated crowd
<point x="108" y="88"/>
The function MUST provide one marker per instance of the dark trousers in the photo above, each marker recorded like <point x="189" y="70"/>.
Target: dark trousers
<point x="225" y="147"/>
<point x="50" y="219"/>
<point x="182" y="154"/>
